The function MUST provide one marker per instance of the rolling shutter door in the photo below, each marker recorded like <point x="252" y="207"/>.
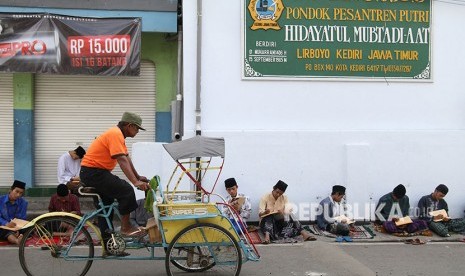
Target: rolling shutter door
<point x="73" y="110"/>
<point x="6" y="130"/>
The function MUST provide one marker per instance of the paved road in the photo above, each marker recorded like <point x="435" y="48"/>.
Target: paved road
<point x="307" y="259"/>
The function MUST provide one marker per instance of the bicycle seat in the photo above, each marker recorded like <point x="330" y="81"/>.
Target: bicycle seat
<point x="88" y="191"/>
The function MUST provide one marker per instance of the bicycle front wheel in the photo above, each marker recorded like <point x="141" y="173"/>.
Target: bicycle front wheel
<point x="49" y="248"/>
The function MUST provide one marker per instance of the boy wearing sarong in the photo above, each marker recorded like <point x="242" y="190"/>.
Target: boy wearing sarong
<point x="393" y="206"/>
<point x="439" y="224"/>
<point x="272" y="212"/>
<point x="12" y="206"/>
<point x="330" y="208"/>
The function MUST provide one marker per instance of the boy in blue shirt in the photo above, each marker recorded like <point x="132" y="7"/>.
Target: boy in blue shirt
<point x="12" y="206"/>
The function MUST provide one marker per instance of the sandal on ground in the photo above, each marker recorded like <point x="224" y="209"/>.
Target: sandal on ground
<point x="417" y="242"/>
<point x="347" y="238"/>
<point x="266" y="242"/>
<point x="339" y="239"/>
<point x="408" y="241"/>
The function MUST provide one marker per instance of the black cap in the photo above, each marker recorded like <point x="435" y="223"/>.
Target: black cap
<point x="230" y="182"/>
<point x="399" y="191"/>
<point x="62" y="190"/>
<point x="442" y="188"/>
<point x="18" y="184"/>
<point x="280" y="185"/>
<point x="80" y="152"/>
<point x="339" y="189"/>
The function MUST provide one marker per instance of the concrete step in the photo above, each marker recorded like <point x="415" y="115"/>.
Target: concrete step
<point x="39" y="205"/>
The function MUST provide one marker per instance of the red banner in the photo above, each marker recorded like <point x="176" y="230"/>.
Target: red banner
<point x="59" y="44"/>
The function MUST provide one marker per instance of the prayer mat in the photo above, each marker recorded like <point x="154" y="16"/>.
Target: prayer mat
<point x="4" y="243"/>
<point x="314" y="229"/>
<point x="380" y="228"/>
<point x="297" y="239"/>
<point x="35" y="241"/>
<point x="255" y="237"/>
<point x="258" y="237"/>
<point x="356" y="232"/>
<point x="361" y="232"/>
<point x="427" y="233"/>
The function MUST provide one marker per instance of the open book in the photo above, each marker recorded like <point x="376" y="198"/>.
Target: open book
<point x="240" y="200"/>
<point x="439" y="212"/>
<point x="404" y="220"/>
<point x="19" y="224"/>
<point x="342" y="217"/>
<point x="270" y="213"/>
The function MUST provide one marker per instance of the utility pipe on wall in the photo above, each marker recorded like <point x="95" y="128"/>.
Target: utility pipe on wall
<point x="177" y="110"/>
<point x="198" y="111"/>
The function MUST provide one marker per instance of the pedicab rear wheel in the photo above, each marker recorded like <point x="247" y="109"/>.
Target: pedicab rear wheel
<point x="202" y="247"/>
<point x="191" y="253"/>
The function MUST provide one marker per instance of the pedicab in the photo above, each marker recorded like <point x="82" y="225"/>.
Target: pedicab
<point x="188" y="231"/>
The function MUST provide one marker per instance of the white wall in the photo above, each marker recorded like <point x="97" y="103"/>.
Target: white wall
<point x="368" y="136"/>
<point x="151" y="159"/>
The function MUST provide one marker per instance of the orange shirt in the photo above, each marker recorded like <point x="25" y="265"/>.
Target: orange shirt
<point x="100" y="152"/>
